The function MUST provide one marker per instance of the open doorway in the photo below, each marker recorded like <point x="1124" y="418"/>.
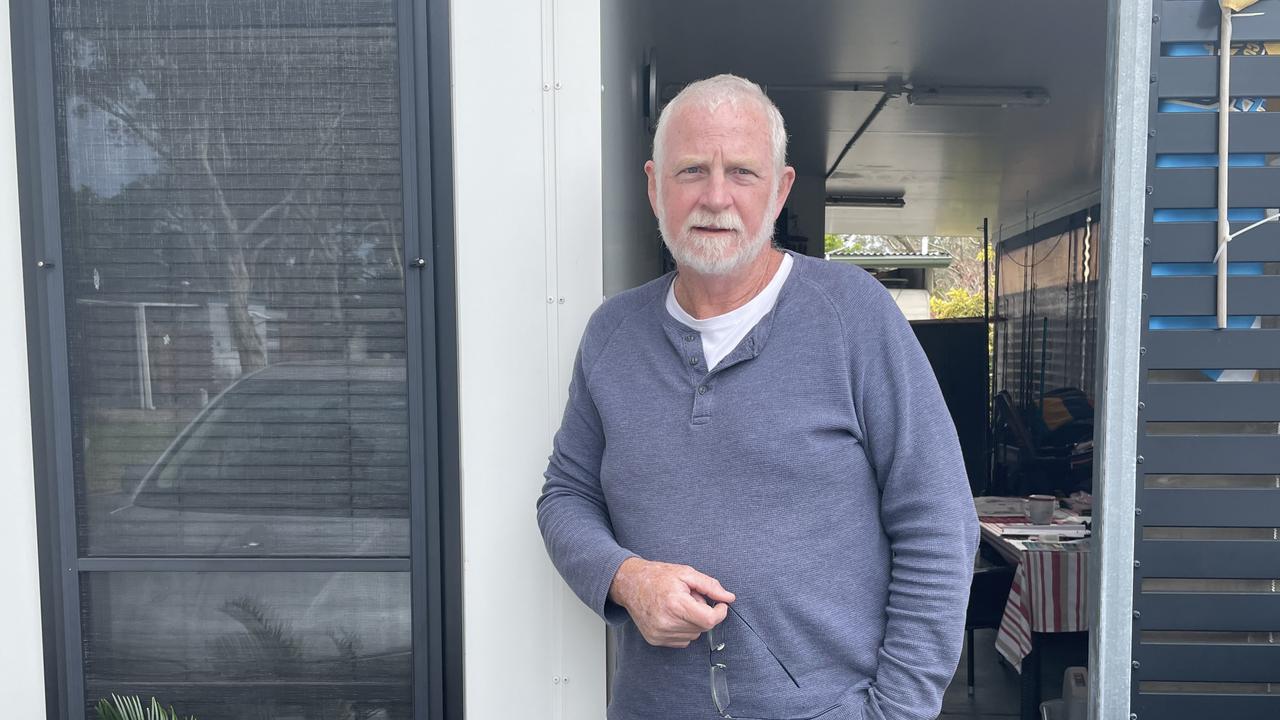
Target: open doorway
<point x="914" y="121"/>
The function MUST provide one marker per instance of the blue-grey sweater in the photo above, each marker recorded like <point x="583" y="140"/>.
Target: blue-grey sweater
<point x="815" y="473"/>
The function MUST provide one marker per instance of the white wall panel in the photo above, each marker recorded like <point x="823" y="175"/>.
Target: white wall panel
<point x="579" y="281"/>
<point x="526" y="103"/>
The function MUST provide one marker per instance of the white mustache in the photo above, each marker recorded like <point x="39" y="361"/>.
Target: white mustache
<point x="726" y="220"/>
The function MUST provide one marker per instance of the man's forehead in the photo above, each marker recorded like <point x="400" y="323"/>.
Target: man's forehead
<point x="696" y="130"/>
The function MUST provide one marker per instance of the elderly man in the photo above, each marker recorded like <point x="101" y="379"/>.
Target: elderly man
<point x="756" y="480"/>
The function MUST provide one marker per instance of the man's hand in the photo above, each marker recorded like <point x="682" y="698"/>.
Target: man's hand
<point x="670" y="604"/>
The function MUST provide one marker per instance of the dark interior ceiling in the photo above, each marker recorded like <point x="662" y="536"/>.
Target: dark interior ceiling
<point x="954" y="165"/>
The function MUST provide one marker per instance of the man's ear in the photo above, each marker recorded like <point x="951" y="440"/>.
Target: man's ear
<point x="785" y="182"/>
<point x="651" y="171"/>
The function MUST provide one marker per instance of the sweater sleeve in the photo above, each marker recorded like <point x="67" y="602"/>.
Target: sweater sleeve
<point x="572" y="513"/>
<point x="928" y="515"/>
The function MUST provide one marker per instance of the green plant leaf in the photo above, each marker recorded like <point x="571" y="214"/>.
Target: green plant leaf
<point x="131" y="708"/>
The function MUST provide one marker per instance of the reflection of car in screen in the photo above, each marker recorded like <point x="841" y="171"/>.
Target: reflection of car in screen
<point x="295" y="460"/>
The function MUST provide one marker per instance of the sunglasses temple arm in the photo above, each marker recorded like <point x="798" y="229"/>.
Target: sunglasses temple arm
<point x="773" y="655"/>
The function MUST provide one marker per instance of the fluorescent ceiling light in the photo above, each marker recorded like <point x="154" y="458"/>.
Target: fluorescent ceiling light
<point x="868" y="201"/>
<point x="978" y="96"/>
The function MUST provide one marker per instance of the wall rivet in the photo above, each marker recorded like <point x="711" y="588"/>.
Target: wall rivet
<point x="1136" y="664"/>
<point x="1136" y="614"/>
<point x="1137" y="511"/>
<point x="1150" y="190"/>
<point x="561" y="301"/>
<point x="1142" y="405"/>
<point x="1141" y="459"/>
<point x="1142" y="351"/>
<point x="1137" y="563"/>
<point x="1146" y="241"/>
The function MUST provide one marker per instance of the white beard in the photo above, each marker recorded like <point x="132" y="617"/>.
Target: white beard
<point x="714" y="255"/>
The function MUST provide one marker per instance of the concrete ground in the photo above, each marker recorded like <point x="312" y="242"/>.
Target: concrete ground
<point x="996" y="687"/>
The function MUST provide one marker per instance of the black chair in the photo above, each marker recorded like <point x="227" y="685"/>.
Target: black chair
<point x="1024" y="465"/>
<point x="988" y="595"/>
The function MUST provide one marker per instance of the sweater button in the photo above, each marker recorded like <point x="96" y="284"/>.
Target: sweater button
<point x="702" y="389"/>
<point x="693" y="359"/>
<point x="689" y="338"/>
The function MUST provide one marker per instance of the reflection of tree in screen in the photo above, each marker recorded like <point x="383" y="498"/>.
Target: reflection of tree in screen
<point x="230" y="200"/>
<point x="246" y="167"/>
<point x="268" y="649"/>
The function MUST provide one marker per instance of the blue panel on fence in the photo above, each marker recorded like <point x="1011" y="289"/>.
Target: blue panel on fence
<point x="1174" y="215"/>
<point x="1202" y="269"/>
<point x="1201" y="322"/>
<point x="1205" y="105"/>
<point x="1209" y="160"/>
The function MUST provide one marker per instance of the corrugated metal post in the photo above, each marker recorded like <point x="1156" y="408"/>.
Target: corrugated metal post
<point x="1128" y="88"/>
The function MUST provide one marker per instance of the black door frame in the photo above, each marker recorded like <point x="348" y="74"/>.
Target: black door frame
<point x="427" y="185"/>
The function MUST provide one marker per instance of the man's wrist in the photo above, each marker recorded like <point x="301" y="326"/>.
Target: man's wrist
<point x="620" y="587"/>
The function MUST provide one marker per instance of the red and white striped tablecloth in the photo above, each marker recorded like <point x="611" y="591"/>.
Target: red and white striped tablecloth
<point x="1050" y="593"/>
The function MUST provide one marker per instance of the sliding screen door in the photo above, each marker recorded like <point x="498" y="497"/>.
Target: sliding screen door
<point x="238" y="352"/>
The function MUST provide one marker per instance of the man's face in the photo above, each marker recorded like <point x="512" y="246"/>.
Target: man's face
<point x="716" y="193"/>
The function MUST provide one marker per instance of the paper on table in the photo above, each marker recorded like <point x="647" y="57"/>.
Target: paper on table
<point x="1063" y="530"/>
<point x="991" y="506"/>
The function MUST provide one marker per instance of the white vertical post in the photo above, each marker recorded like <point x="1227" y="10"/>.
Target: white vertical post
<point x="527" y="193"/>
<point x="1224" y="159"/>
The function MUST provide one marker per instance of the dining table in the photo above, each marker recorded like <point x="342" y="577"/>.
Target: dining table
<point x="1049" y="593"/>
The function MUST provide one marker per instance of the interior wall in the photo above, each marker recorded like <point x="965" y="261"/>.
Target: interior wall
<point x="630" y="233"/>
<point x="531" y="649"/>
<point x="21" y="667"/>
<point x="808" y="207"/>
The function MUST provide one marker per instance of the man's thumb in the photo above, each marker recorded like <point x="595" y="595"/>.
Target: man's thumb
<point x="708" y="587"/>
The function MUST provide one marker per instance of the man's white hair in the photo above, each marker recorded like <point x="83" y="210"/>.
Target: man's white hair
<point x="730" y="90"/>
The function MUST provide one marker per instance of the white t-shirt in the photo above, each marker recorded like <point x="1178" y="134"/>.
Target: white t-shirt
<point x="722" y="333"/>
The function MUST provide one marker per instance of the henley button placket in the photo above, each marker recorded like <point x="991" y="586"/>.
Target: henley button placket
<point x="701" y="392"/>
